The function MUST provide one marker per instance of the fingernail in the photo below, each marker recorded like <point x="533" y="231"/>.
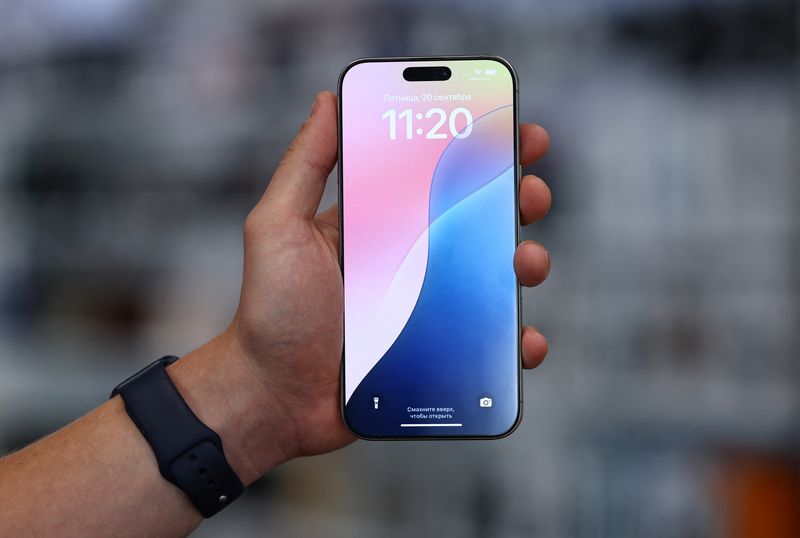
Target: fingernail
<point x="315" y="106"/>
<point x="547" y="259"/>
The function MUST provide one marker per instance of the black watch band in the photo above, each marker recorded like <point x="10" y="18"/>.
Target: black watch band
<point x="188" y="452"/>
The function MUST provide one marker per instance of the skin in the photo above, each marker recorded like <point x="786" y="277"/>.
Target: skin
<point x="269" y="384"/>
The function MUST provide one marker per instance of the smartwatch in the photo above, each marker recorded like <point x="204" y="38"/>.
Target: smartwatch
<point x="189" y="453"/>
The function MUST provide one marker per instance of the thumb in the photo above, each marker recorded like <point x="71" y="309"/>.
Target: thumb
<point x="297" y="185"/>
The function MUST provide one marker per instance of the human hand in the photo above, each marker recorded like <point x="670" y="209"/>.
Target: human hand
<point x="268" y="385"/>
<point x="287" y="331"/>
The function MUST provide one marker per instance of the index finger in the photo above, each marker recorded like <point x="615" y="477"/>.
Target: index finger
<point x="533" y="142"/>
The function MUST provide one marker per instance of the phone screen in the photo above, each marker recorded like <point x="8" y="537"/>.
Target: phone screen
<point x="428" y="194"/>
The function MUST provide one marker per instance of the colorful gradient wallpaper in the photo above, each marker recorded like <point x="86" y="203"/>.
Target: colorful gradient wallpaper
<point x="429" y="231"/>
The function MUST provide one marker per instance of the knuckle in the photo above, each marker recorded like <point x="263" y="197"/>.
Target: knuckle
<point x="252" y="225"/>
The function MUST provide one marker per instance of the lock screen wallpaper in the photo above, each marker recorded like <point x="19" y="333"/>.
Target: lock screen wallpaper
<point x="429" y="219"/>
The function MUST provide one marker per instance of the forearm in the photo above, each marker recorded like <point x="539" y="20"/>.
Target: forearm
<point x="98" y="476"/>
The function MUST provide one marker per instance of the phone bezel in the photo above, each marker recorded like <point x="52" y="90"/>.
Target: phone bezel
<point x="517" y="179"/>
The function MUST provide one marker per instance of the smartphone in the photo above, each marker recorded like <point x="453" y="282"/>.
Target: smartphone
<point x="428" y="198"/>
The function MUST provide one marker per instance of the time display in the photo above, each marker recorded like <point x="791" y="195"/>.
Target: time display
<point x="434" y="128"/>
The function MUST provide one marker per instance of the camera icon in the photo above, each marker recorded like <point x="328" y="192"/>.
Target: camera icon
<point x="485" y="401"/>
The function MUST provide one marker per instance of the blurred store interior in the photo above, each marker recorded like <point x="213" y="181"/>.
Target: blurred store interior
<point x="136" y="135"/>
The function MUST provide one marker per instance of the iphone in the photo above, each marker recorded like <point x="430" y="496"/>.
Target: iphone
<point x="428" y="198"/>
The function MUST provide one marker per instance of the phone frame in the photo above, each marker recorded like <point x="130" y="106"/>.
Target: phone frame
<point x="517" y="179"/>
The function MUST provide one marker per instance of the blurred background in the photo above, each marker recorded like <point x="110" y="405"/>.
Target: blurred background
<point x="135" y="135"/>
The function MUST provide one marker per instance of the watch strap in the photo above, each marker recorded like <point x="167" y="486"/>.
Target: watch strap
<point x="189" y="453"/>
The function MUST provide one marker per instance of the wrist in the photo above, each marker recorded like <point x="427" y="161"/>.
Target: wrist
<point x="220" y="386"/>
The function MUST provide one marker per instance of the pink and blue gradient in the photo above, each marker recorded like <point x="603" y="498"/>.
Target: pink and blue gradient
<point x="429" y="228"/>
